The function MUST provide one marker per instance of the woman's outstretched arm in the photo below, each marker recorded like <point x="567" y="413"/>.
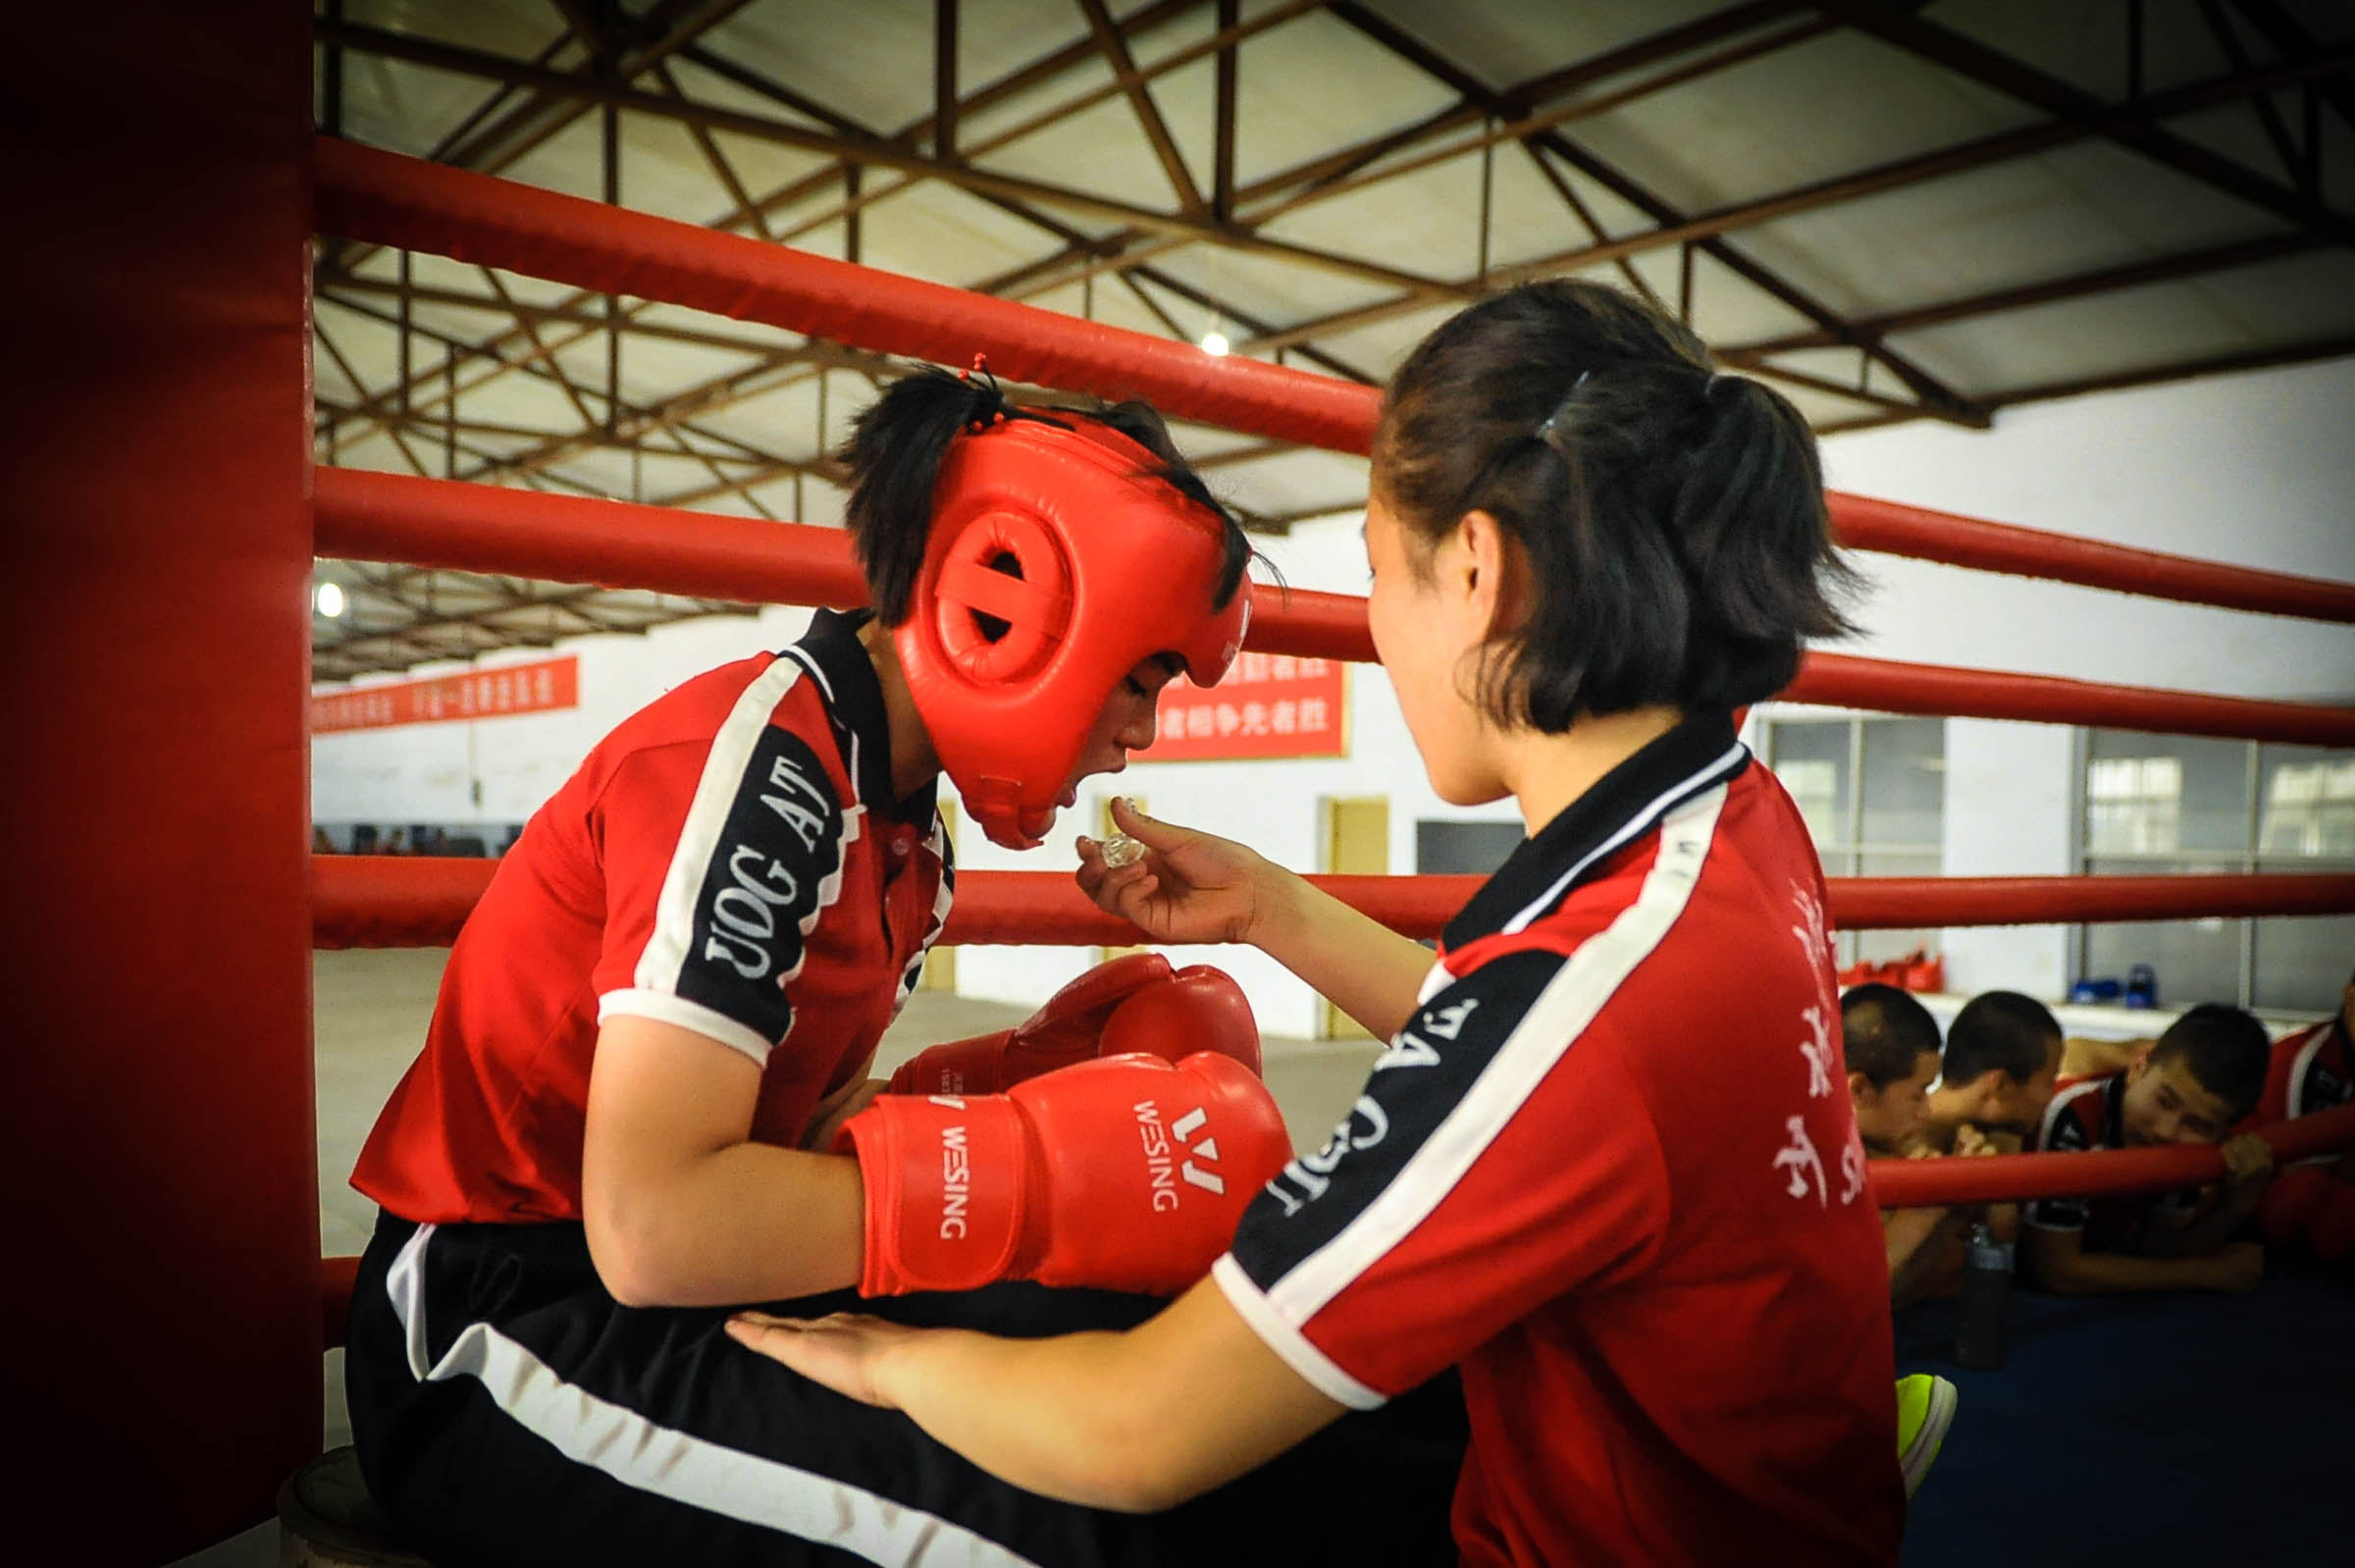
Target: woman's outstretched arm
<point x="1136" y="1421"/>
<point x="1196" y="887"/>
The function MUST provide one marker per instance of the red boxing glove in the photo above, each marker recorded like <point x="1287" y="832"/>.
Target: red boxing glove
<point x="1130" y="1004"/>
<point x="1127" y="1174"/>
<point x="2292" y="1200"/>
<point x="2331" y="1230"/>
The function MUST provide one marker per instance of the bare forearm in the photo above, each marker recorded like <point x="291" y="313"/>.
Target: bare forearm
<point x="1362" y="966"/>
<point x="1910" y="1235"/>
<point x="1034" y="1412"/>
<point x="2202" y="1235"/>
<point x="744" y="1224"/>
<point x="2118" y="1273"/>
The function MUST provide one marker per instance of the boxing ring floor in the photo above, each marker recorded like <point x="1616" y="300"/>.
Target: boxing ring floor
<point x="2146" y="1431"/>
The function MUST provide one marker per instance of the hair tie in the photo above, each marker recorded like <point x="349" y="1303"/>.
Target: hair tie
<point x="995" y="412"/>
<point x="1553" y="420"/>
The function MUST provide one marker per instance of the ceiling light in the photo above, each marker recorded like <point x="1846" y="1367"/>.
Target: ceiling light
<point x="331" y="600"/>
<point x="1214" y="343"/>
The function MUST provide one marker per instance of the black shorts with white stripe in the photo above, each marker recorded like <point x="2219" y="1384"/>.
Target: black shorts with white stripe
<point x="507" y="1411"/>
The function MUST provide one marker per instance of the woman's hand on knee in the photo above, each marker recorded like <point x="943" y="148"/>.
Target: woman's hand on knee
<point x="842" y="1351"/>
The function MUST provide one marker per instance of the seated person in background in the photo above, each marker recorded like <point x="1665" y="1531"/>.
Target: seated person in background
<point x="2196" y="1080"/>
<point x="1890" y="1043"/>
<point x="2002" y="1052"/>
<point x="2313" y="1070"/>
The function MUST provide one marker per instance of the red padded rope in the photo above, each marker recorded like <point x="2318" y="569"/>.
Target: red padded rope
<point x="404" y="901"/>
<point x="2012" y="1178"/>
<point x="389" y="199"/>
<point x="1862" y="523"/>
<point x="434" y="522"/>
<point x="1841" y="680"/>
<point x="364" y="193"/>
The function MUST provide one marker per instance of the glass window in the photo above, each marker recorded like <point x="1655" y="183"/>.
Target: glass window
<point x="1873" y="794"/>
<point x="1811" y="761"/>
<point x="1905" y="783"/>
<point x="2163" y="794"/>
<point x="2194" y="960"/>
<point x="2162" y="805"/>
<point x="2307" y="802"/>
<point x="2302" y="965"/>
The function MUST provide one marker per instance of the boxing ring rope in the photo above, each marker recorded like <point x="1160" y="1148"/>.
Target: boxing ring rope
<point x="382" y="197"/>
<point x="2101" y="1173"/>
<point x="386" y="199"/>
<point x="434" y="522"/>
<point x="377" y="901"/>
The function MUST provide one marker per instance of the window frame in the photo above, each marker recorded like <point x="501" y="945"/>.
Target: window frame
<point x="2248" y="861"/>
<point x="1846" y="856"/>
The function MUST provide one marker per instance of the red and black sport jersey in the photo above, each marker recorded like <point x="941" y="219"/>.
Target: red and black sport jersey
<point x="2311" y="1070"/>
<point x="1610" y="1169"/>
<point x="729" y="860"/>
<point x="2089" y="1114"/>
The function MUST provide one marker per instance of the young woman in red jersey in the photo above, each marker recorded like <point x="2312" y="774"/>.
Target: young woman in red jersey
<point x="1607" y="1165"/>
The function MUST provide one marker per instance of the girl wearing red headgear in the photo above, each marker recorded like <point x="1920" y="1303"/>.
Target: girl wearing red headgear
<point x="1605" y="1166"/>
<point x="645" y="1086"/>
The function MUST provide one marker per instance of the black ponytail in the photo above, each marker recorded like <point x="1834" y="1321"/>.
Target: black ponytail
<point x="894" y="455"/>
<point x="1750" y="523"/>
<point x="1670" y="521"/>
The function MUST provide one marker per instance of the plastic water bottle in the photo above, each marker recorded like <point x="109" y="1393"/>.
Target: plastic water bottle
<point x="1986" y="1289"/>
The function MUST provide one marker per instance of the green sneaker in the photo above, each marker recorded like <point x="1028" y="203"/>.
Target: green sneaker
<point x="1926" y="1408"/>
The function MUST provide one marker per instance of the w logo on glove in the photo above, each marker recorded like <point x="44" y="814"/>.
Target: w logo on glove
<point x="1159" y="1154"/>
<point x="1042" y="1183"/>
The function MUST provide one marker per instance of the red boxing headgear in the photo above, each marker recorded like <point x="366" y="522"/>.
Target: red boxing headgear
<point x="1091" y="564"/>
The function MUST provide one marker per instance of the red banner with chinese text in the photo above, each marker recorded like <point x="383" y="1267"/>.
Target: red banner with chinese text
<point x="1270" y="705"/>
<point x="496" y="693"/>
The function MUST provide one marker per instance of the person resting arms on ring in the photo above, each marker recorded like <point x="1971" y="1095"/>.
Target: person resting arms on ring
<point x="2199" y="1077"/>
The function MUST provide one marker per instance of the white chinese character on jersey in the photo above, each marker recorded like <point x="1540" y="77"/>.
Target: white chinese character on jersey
<point x="1851" y="1166"/>
<point x="1819" y="1052"/>
<point x="1814" y="939"/>
<point x="1802" y="1161"/>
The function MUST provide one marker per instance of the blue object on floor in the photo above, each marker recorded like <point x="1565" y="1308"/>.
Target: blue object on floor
<point x="2145" y="1431"/>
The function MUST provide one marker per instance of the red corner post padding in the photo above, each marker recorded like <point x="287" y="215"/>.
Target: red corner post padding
<point x="163" y="1229"/>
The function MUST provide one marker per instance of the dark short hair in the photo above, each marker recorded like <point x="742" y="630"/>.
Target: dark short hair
<point x="1885" y="1032"/>
<point x="2226" y="1049"/>
<point x="1670" y="520"/>
<point x="898" y="443"/>
<point x="2000" y="1031"/>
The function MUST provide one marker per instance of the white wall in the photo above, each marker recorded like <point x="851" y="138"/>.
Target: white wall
<point x="2256" y="469"/>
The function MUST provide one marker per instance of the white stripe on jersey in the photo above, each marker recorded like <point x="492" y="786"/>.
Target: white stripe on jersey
<point x="1586" y="980"/>
<point x="665" y="952"/>
<point x="669" y="1006"/>
<point x="652" y="1458"/>
<point x="2052" y="1113"/>
<point x="1635" y="825"/>
<point x="2293" y="1093"/>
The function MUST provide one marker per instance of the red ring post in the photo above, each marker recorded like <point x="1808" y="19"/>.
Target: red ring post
<point x="162" y="1303"/>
